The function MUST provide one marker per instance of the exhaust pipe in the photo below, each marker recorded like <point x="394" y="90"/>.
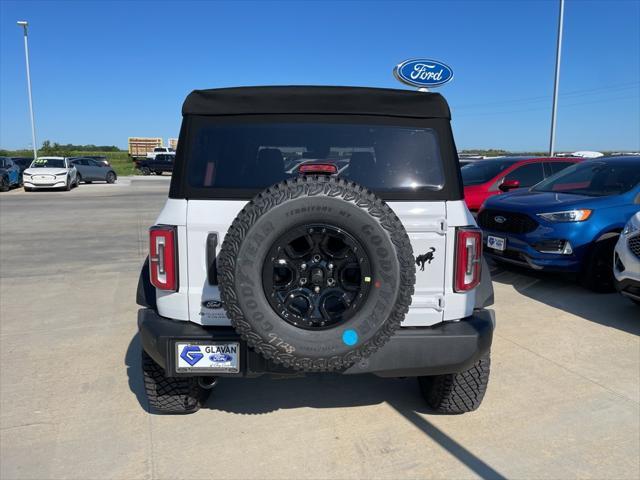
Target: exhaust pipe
<point x="207" y="382"/>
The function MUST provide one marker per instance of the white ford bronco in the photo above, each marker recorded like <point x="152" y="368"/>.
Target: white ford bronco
<point x="315" y="229"/>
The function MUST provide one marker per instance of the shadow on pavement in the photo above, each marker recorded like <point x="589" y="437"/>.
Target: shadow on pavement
<point x="133" y="362"/>
<point x="464" y="456"/>
<point x="564" y="293"/>
<point x="254" y="396"/>
<point x="264" y="394"/>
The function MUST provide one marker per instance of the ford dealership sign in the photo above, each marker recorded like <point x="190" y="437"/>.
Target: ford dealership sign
<point x="423" y="73"/>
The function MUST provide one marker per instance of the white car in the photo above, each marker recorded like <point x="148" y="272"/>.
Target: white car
<point x="159" y="151"/>
<point x="626" y="260"/>
<point x="50" y="172"/>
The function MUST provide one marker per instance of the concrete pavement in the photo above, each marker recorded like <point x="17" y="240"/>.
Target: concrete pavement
<point x="563" y="399"/>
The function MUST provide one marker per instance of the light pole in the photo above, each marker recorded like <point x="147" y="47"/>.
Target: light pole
<point x="24" y="25"/>
<point x="556" y="83"/>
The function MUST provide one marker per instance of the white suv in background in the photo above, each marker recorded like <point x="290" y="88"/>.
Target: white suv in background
<point x="626" y="260"/>
<point x="160" y="151"/>
<point x="50" y="172"/>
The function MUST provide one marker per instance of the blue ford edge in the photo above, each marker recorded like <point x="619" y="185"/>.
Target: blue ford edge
<point x="569" y="222"/>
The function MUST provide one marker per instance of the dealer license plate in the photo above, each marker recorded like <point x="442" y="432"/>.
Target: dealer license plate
<point x="497" y="243"/>
<point x="223" y="357"/>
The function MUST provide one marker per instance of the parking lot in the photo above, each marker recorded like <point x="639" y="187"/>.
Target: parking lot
<point x="563" y="399"/>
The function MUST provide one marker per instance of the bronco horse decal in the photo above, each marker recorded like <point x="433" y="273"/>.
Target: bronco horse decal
<point x="425" y="258"/>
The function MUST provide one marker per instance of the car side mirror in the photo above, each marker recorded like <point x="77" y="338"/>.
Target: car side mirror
<point x="509" y="185"/>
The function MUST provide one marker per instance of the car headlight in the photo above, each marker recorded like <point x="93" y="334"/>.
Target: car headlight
<point x="630" y="228"/>
<point x="567" y="216"/>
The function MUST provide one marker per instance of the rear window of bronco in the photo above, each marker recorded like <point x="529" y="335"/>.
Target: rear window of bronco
<point x="251" y="155"/>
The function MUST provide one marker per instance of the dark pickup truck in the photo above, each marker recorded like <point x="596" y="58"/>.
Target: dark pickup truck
<point x="162" y="163"/>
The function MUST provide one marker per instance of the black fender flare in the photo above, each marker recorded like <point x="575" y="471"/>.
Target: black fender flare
<point x="484" y="291"/>
<point x="146" y="293"/>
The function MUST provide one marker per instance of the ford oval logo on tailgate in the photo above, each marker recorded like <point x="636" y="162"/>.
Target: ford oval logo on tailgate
<point x="423" y="72"/>
<point x="212" y="304"/>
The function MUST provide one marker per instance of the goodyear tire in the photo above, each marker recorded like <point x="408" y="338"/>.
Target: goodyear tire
<point x="316" y="273"/>
<point x="170" y="394"/>
<point x="460" y="392"/>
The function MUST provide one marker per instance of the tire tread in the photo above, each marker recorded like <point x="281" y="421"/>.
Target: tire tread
<point x="170" y="394"/>
<point x="460" y="392"/>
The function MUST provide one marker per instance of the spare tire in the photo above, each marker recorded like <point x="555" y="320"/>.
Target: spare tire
<point x="316" y="273"/>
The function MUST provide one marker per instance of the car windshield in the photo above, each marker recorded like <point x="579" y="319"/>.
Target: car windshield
<point x="254" y="156"/>
<point x="48" y="163"/>
<point x="593" y="178"/>
<point x="482" y="171"/>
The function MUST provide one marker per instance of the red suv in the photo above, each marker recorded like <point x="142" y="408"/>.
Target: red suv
<point x="484" y="178"/>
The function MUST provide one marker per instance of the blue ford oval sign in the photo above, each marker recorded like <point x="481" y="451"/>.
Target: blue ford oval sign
<point x="422" y="72"/>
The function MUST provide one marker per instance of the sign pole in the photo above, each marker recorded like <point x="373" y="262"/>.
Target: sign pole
<point x="24" y="25"/>
<point x="556" y="83"/>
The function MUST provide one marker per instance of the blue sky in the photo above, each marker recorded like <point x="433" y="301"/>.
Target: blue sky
<point x="104" y="71"/>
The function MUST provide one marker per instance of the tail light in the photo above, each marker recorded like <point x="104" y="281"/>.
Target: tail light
<point x="468" y="259"/>
<point x="163" y="257"/>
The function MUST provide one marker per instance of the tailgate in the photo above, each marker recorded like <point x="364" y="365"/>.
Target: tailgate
<point x="424" y="222"/>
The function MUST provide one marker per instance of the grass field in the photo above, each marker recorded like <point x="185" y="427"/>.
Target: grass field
<point x="120" y="161"/>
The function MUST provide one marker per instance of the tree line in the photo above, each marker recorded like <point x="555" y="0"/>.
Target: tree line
<point x="48" y="148"/>
<point x="56" y="149"/>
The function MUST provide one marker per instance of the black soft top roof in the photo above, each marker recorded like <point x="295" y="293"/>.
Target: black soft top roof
<point x="318" y="100"/>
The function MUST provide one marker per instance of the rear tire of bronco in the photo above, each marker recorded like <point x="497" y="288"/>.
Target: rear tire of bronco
<point x="171" y="394"/>
<point x="460" y="392"/>
<point x="597" y="273"/>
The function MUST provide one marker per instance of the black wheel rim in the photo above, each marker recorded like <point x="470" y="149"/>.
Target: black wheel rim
<point x="316" y="277"/>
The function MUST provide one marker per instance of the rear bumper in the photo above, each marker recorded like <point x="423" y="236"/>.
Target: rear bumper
<point x="445" y="348"/>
